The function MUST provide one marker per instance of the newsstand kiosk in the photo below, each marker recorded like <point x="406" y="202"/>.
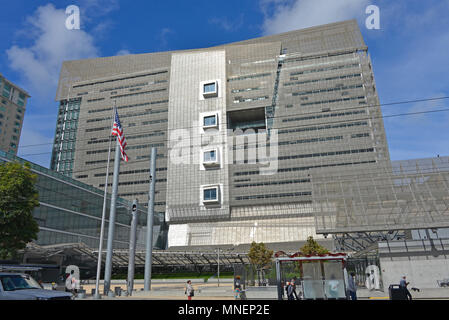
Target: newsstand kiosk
<point x="317" y="277"/>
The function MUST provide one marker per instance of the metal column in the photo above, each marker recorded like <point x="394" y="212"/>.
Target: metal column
<point x="108" y="265"/>
<point x="132" y="248"/>
<point x="150" y="217"/>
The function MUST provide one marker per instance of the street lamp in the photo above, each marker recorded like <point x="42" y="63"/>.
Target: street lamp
<point x="218" y="265"/>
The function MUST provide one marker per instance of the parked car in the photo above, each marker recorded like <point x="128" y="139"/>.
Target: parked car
<point x="20" y="286"/>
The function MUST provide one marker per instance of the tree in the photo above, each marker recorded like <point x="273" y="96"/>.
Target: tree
<point x="312" y="247"/>
<point x="18" y="198"/>
<point x="260" y="257"/>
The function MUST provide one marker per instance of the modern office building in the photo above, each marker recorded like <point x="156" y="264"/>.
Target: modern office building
<point x="13" y="100"/>
<point x="239" y="128"/>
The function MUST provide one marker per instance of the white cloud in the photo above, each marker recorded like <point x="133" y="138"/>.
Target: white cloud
<point x="162" y="37"/>
<point x="227" y="25"/>
<point x="282" y="16"/>
<point x="123" y="52"/>
<point x="39" y="64"/>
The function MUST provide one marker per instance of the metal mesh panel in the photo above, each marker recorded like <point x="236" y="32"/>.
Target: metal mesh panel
<point x="409" y="194"/>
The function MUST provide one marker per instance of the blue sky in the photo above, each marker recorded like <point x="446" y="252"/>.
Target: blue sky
<point x="409" y="52"/>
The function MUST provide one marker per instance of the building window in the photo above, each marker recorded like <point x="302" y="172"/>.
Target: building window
<point x="6" y="90"/>
<point x="209" y="89"/>
<point x="211" y="195"/>
<point x="210" y="158"/>
<point x="210" y="121"/>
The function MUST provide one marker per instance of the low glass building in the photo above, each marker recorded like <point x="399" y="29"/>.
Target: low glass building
<point x="70" y="212"/>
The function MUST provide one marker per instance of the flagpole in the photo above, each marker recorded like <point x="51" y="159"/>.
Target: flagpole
<point x="100" y="248"/>
<point x="108" y="264"/>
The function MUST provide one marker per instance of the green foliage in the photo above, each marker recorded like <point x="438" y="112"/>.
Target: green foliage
<point x="259" y="255"/>
<point x="312" y="247"/>
<point x="18" y="198"/>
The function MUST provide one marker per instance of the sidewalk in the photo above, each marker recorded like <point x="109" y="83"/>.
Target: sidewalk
<point x="164" y="290"/>
<point x="167" y="290"/>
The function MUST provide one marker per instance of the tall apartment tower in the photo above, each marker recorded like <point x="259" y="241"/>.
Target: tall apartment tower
<point x="240" y="129"/>
<point x="13" y="100"/>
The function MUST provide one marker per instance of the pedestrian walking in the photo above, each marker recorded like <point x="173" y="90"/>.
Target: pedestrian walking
<point x="403" y="285"/>
<point x="70" y="283"/>
<point x="352" y="287"/>
<point x="293" y="284"/>
<point x="189" y="290"/>
<point x="237" y="288"/>
<point x="282" y="290"/>
<point x="290" y="289"/>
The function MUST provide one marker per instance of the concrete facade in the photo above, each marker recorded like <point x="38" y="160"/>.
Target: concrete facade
<point x="423" y="262"/>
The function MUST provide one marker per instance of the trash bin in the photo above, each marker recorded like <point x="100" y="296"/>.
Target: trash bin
<point x="118" y="291"/>
<point x="396" y="292"/>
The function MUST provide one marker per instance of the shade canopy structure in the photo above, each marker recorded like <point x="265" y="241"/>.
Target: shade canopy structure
<point x="383" y="201"/>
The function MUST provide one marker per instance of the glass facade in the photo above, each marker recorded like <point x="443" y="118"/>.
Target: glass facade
<point x="65" y="137"/>
<point x="70" y="212"/>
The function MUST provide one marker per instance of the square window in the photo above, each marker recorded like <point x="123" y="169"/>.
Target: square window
<point x="210" y="156"/>
<point x="210" y="195"/>
<point x="210" y="88"/>
<point x="210" y="121"/>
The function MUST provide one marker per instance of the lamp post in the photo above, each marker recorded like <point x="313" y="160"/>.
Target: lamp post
<point x="218" y="271"/>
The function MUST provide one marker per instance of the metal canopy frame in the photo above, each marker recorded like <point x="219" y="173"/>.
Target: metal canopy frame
<point x="362" y="205"/>
<point x="120" y="257"/>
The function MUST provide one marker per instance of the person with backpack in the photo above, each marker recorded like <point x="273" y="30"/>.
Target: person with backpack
<point x="291" y="291"/>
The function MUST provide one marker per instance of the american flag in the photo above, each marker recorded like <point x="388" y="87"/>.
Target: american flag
<point x="118" y="131"/>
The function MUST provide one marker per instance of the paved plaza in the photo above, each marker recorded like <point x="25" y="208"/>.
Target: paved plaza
<point x="174" y="290"/>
